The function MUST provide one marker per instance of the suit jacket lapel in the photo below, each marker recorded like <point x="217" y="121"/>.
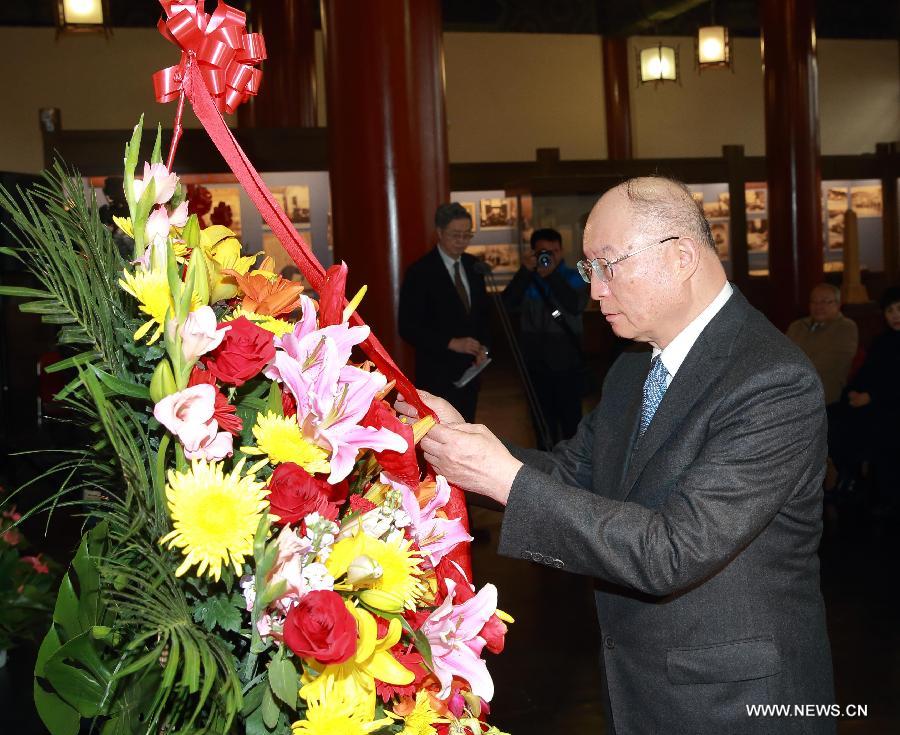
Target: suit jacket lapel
<point x="620" y="450"/>
<point x="703" y="364"/>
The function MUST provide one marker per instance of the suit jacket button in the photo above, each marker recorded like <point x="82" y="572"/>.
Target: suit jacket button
<point x="558" y="563"/>
<point x="538" y="556"/>
<point x="528" y="555"/>
<point x="609" y="642"/>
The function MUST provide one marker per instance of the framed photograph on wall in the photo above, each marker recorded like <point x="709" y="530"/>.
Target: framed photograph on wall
<point x="720" y="236"/>
<point x="836" y="200"/>
<point x="284" y="264"/>
<point x="756" y="196"/>
<point x="717" y="209"/>
<point x="297" y="201"/>
<point x="502" y="258"/>
<point x="470" y="208"/>
<point x="866" y="200"/>
<point x="225" y="208"/>
<point x="758" y="235"/>
<point x="836" y="231"/>
<point x="498" y="214"/>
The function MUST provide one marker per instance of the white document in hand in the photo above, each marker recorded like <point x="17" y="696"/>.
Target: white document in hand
<point x="471" y="372"/>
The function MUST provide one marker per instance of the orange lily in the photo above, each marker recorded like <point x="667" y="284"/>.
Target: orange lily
<point x="267" y="294"/>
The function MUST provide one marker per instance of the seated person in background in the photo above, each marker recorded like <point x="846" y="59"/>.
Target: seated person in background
<point x="551" y="297"/>
<point x="828" y="338"/>
<point x="867" y="425"/>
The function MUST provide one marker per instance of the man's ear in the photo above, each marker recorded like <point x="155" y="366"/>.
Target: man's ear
<point x="688" y="250"/>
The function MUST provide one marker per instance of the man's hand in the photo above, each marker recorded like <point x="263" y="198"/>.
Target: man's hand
<point x="471" y="457"/>
<point x="446" y="414"/>
<point x="858" y="400"/>
<point x="466" y="346"/>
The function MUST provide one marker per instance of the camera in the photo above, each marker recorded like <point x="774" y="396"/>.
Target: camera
<point x="544" y="259"/>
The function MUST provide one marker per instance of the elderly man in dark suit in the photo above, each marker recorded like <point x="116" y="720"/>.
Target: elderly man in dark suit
<point x="444" y="311"/>
<point x="693" y="492"/>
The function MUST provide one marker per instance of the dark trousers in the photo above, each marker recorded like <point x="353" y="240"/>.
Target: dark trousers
<point x="559" y="396"/>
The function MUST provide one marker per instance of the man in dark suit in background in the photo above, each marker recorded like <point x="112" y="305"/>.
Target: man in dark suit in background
<point x="693" y="492"/>
<point x="444" y="311"/>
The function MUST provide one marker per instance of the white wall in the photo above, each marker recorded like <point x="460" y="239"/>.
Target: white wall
<point x="507" y="94"/>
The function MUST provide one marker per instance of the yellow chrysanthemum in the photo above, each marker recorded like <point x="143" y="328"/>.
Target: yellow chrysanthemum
<point x="279" y="438"/>
<point x="278" y="327"/>
<point x="399" y="586"/>
<point x="354" y="679"/>
<point x="150" y="286"/>
<point x="422" y="718"/>
<point x="330" y="712"/>
<point x="214" y="515"/>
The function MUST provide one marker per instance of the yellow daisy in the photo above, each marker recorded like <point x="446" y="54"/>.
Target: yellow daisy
<point x="223" y="252"/>
<point x="399" y="586"/>
<point x="278" y="327"/>
<point x="214" y="515"/>
<point x="279" y="438"/>
<point x="422" y="718"/>
<point x="330" y="712"/>
<point x="151" y="288"/>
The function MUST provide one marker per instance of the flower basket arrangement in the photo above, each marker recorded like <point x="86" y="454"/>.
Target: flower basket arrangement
<point x="265" y="553"/>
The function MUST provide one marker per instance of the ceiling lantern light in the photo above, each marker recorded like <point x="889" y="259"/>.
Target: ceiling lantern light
<point x="658" y="64"/>
<point x="713" y="47"/>
<point x="82" y="15"/>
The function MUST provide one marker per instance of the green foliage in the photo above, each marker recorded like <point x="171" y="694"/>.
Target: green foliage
<point x="123" y="648"/>
<point x="220" y="611"/>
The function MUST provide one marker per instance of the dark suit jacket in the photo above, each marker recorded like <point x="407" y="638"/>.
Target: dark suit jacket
<point x="703" y="537"/>
<point x="431" y="314"/>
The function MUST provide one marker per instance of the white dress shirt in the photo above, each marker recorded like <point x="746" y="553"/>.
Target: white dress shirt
<point x="450" y="263"/>
<point x="677" y="350"/>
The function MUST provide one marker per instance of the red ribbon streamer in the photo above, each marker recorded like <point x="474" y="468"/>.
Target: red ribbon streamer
<point x="204" y="37"/>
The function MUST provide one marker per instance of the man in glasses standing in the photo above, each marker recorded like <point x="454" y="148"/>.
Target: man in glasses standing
<point x="444" y="311"/>
<point x="693" y="492"/>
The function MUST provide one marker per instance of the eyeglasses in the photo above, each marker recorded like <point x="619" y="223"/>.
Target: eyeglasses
<point x="603" y="268"/>
<point x="460" y="236"/>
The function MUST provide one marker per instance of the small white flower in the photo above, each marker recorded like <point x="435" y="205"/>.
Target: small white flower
<point x="248" y="587"/>
<point x="317" y="577"/>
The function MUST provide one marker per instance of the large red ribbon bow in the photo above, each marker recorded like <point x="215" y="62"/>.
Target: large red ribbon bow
<point x="218" y="44"/>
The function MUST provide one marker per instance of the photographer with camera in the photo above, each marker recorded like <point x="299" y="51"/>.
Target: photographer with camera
<point x="551" y="297"/>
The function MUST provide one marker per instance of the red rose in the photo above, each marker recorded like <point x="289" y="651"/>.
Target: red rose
<point x="243" y="353"/>
<point x="321" y="627"/>
<point x="294" y="494"/>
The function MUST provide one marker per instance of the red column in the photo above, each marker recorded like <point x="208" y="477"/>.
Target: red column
<point x="387" y="144"/>
<point x="616" y="98"/>
<point x="792" y="154"/>
<point x="287" y="97"/>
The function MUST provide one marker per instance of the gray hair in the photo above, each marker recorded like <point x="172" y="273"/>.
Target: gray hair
<point x="831" y="288"/>
<point x="660" y="201"/>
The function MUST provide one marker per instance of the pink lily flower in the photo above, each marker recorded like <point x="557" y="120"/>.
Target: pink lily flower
<point x="214" y="447"/>
<point x="453" y="632"/>
<point x="335" y="419"/>
<point x="199" y="333"/>
<point x="165" y="182"/>
<point x="436" y="537"/>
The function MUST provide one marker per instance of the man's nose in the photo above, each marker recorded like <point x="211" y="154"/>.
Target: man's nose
<point x="599" y="289"/>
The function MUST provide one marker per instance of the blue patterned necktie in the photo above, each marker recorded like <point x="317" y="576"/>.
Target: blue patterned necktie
<point x="654" y="388"/>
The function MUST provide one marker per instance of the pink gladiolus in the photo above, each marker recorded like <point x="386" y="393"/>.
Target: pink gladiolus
<point x="189" y="415"/>
<point x="436" y="537"/>
<point x="452" y="630"/>
<point x="200" y="333"/>
<point x="165" y="183"/>
<point x="214" y="447"/>
<point x="158" y="226"/>
<point x="179" y="216"/>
